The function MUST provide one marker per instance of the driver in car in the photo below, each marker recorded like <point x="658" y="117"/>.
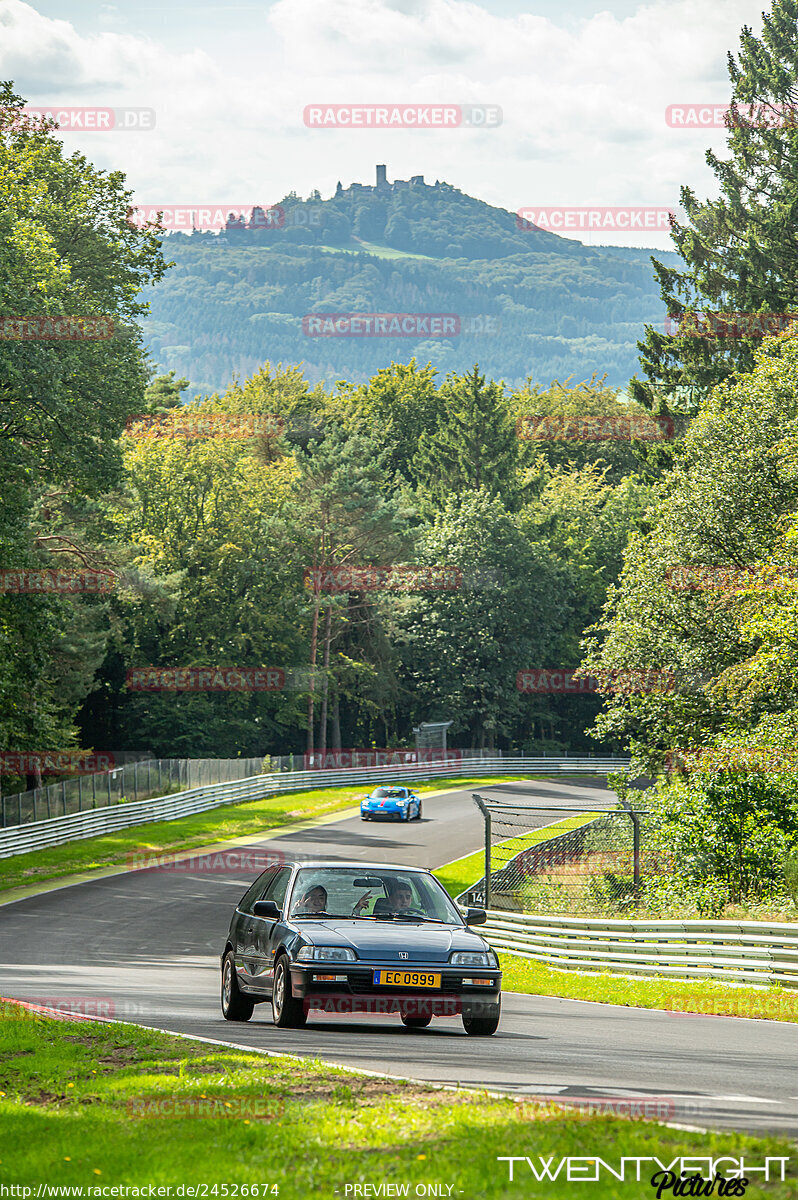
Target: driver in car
<point x="399" y="900"/>
<point x="400" y="896"/>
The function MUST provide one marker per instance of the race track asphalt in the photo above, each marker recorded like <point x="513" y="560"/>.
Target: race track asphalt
<point x="143" y="946"/>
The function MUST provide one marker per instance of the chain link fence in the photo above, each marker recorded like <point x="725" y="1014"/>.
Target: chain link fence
<point x="139" y="780"/>
<point x="562" y="859"/>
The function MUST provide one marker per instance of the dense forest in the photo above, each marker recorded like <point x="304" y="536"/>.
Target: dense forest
<point x="216" y="544"/>
<point x="528" y="302"/>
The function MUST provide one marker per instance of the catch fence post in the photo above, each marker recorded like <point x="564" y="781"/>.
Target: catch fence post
<point x="635" y="845"/>
<point x="486" y="816"/>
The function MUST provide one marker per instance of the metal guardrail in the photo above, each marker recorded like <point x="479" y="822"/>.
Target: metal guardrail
<point x="38" y="835"/>
<point x="731" y="951"/>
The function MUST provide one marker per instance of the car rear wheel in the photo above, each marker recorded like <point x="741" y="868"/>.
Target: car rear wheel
<point x="416" y="1022"/>
<point x="289" y="1013"/>
<point x="418" y="814"/>
<point x="481" y="1026"/>
<point x="235" y="1005"/>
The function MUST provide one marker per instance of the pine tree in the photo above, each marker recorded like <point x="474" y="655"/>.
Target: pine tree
<point x="740" y="251"/>
<point x="475" y="445"/>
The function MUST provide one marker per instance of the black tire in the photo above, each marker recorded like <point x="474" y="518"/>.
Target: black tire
<point x="235" y="1005"/>
<point x="481" y="1026"/>
<point x="416" y="1022"/>
<point x="289" y="1013"/>
<point x="418" y="814"/>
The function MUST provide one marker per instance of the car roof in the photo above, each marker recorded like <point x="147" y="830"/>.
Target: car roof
<point x="361" y="866"/>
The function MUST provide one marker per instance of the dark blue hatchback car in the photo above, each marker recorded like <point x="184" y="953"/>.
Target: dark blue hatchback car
<point x="358" y="938"/>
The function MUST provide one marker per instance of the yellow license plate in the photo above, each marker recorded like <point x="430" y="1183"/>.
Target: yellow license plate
<point x="420" y="979"/>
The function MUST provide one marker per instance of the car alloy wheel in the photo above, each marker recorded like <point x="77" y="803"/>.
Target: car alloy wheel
<point x="235" y="1005"/>
<point x="289" y="1013"/>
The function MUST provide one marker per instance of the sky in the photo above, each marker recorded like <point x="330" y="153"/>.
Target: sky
<point x="583" y="90"/>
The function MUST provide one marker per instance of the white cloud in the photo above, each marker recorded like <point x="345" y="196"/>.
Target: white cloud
<point x="583" y="106"/>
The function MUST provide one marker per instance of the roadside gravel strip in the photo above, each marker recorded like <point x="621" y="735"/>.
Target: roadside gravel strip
<point x="144" y="946"/>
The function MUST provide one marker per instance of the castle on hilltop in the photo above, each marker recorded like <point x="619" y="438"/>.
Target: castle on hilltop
<point x="382" y="184"/>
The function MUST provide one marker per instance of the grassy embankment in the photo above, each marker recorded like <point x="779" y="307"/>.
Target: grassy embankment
<point x="84" y="1104"/>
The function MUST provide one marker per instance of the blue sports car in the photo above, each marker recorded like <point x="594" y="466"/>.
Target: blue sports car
<point x="400" y="803"/>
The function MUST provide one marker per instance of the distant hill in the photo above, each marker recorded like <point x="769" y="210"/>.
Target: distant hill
<point x="527" y="301"/>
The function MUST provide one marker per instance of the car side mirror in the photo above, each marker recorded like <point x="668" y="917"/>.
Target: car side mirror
<point x="266" y="908"/>
<point x="474" y="916"/>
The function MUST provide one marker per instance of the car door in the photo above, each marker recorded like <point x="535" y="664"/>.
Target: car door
<point x="243" y="930"/>
<point x="264" y="941"/>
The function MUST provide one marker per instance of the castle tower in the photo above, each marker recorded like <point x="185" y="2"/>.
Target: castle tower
<point x="381" y="175"/>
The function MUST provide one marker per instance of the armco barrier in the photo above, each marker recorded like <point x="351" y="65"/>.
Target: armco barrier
<point x="732" y="951"/>
<point x="36" y="835"/>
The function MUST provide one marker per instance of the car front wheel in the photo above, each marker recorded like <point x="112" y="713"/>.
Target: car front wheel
<point x="481" y="1026"/>
<point x="235" y="1005"/>
<point x="289" y="1013"/>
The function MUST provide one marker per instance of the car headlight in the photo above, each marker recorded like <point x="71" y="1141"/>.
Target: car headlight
<point x="471" y="958"/>
<point x="326" y="954"/>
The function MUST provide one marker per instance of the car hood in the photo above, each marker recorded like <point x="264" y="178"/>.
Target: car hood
<point x="382" y="940"/>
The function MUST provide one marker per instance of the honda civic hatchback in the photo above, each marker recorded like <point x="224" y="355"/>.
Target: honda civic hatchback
<point x="343" y="937"/>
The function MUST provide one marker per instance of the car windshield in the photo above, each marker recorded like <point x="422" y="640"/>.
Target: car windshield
<point x="395" y="793"/>
<point x="381" y="893"/>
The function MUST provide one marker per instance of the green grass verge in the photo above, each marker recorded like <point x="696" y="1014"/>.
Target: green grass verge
<point x="705" y="997"/>
<point x="261" y="817"/>
<point x="463" y="872"/>
<point x="360" y="247"/>
<point x="90" y="1105"/>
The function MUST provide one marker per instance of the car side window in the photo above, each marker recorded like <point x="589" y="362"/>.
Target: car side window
<point x="256" y="891"/>
<point x="278" y="887"/>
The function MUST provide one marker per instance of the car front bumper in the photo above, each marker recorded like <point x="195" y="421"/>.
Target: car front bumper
<point x="353" y="990"/>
